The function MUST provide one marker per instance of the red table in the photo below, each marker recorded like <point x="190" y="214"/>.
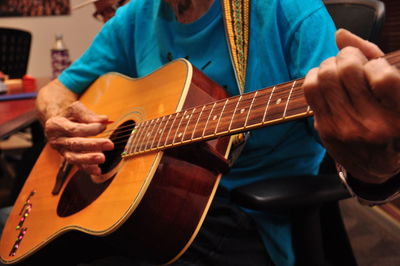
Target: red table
<point x="18" y="114"/>
<point x="15" y="115"/>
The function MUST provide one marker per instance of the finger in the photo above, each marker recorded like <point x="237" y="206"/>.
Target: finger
<point x="345" y="38"/>
<point x="61" y="126"/>
<point x="350" y="67"/>
<point x="331" y="87"/>
<point x="313" y="93"/>
<point x="84" y="158"/>
<point x="77" y="111"/>
<point x="82" y="144"/>
<point x="385" y="82"/>
<point x="91" y="169"/>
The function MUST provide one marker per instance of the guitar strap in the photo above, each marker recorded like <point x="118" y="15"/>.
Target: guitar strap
<point x="236" y="15"/>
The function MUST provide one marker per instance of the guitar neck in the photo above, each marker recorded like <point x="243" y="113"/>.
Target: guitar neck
<point x="269" y="106"/>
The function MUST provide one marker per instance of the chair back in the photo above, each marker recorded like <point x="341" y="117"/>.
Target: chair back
<point x="362" y="17"/>
<point x="15" y="47"/>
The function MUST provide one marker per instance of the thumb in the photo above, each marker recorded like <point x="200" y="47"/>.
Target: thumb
<point x="78" y="112"/>
<point x="346" y="38"/>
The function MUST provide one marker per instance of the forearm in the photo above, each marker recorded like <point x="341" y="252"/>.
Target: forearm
<point x="53" y="99"/>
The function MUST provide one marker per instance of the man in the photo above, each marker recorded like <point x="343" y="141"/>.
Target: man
<point x="356" y="105"/>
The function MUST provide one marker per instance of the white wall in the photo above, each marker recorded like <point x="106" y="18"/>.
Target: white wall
<point x="78" y="30"/>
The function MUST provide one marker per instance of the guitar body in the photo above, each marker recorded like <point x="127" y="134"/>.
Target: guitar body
<point x="151" y="205"/>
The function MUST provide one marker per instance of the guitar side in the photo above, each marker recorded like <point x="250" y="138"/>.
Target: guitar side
<point x="134" y="182"/>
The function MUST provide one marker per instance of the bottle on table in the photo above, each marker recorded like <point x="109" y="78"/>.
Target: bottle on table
<point x="59" y="56"/>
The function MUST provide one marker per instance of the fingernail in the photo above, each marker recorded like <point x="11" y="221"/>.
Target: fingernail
<point x="96" y="171"/>
<point x="107" y="146"/>
<point x="100" y="158"/>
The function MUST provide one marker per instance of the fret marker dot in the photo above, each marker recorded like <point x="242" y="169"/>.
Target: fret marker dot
<point x="187" y="116"/>
<point x="179" y="135"/>
<point x="242" y="111"/>
<point x="214" y="117"/>
<point x="279" y="101"/>
<point x="160" y="131"/>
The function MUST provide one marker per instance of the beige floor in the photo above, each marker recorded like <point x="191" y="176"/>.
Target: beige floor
<point x="374" y="238"/>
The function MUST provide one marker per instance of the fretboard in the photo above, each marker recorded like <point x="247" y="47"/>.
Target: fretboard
<point x="236" y="114"/>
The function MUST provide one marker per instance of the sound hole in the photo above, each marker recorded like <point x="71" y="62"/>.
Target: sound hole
<point x="120" y="138"/>
<point x="81" y="190"/>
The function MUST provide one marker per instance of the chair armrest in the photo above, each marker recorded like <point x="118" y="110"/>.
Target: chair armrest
<point x="289" y="193"/>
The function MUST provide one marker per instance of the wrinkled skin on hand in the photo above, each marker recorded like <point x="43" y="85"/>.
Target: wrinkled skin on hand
<point x="355" y="97"/>
<point x="68" y="133"/>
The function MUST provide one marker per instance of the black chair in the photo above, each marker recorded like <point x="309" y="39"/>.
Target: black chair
<point x="319" y="235"/>
<point x="363" y="17"/>
<point x="15" y="47"/>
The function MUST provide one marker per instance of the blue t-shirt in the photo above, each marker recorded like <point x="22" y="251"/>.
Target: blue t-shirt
<point x="287" y="38"/>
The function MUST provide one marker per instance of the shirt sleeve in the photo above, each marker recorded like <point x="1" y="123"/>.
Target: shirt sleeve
<point x="108" y="53"/>
<point x="311" y="41"/>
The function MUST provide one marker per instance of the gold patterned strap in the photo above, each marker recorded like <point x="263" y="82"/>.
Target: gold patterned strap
<point x="236" y="20"/>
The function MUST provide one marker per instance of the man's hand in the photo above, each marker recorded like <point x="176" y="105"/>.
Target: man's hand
<point x="355" y="97"/>
<point x="68" y="134"/>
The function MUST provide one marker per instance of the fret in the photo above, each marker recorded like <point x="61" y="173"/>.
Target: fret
<point x="129" y="142"/>
<point x="277" y="104"/>
<point x="157" y="131"/>
<point x="208" y="119"/>
<point x="234" y="112"/>
<point x="178" y="133"/>
<point x="241" y="112"/>
<point x="150" y="134"/>
<point x="269" y="101"/>
<point x="146" y="135"/>
<point x="288" y="99"/>
<point x="226" y="115"/>
<point x="250" y="108"/>
<point x="169" y="131"/>
<point x="298" y="105"/>
<point x="141" y="132"/>
<point x="174" y="129"/>
<point x="198" y="119"/>
<point x="256" y="112"/>
<point x="187" y="124"/>
<point x="203" y="121"/>
<point x="136" y="138"/>
<point x="220" y="116"/>
<point x="163" y="130"/>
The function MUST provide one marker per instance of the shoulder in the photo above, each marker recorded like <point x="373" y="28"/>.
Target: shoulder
<point x="290" y="10"/>
<point x="300" y="10"/>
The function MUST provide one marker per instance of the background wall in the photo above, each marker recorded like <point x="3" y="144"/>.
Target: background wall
<point x="78" y="30"/>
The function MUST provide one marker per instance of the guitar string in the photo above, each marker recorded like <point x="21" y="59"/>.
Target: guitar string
<point x="227" y="114"/>
<point x="210" y="136"/>
<point x="257" y="106"/>
<point x="302" y="108"/>
<point x="280" y="90"/>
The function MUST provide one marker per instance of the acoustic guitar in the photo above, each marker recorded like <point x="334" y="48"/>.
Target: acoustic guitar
<point x="171" y="133"/>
